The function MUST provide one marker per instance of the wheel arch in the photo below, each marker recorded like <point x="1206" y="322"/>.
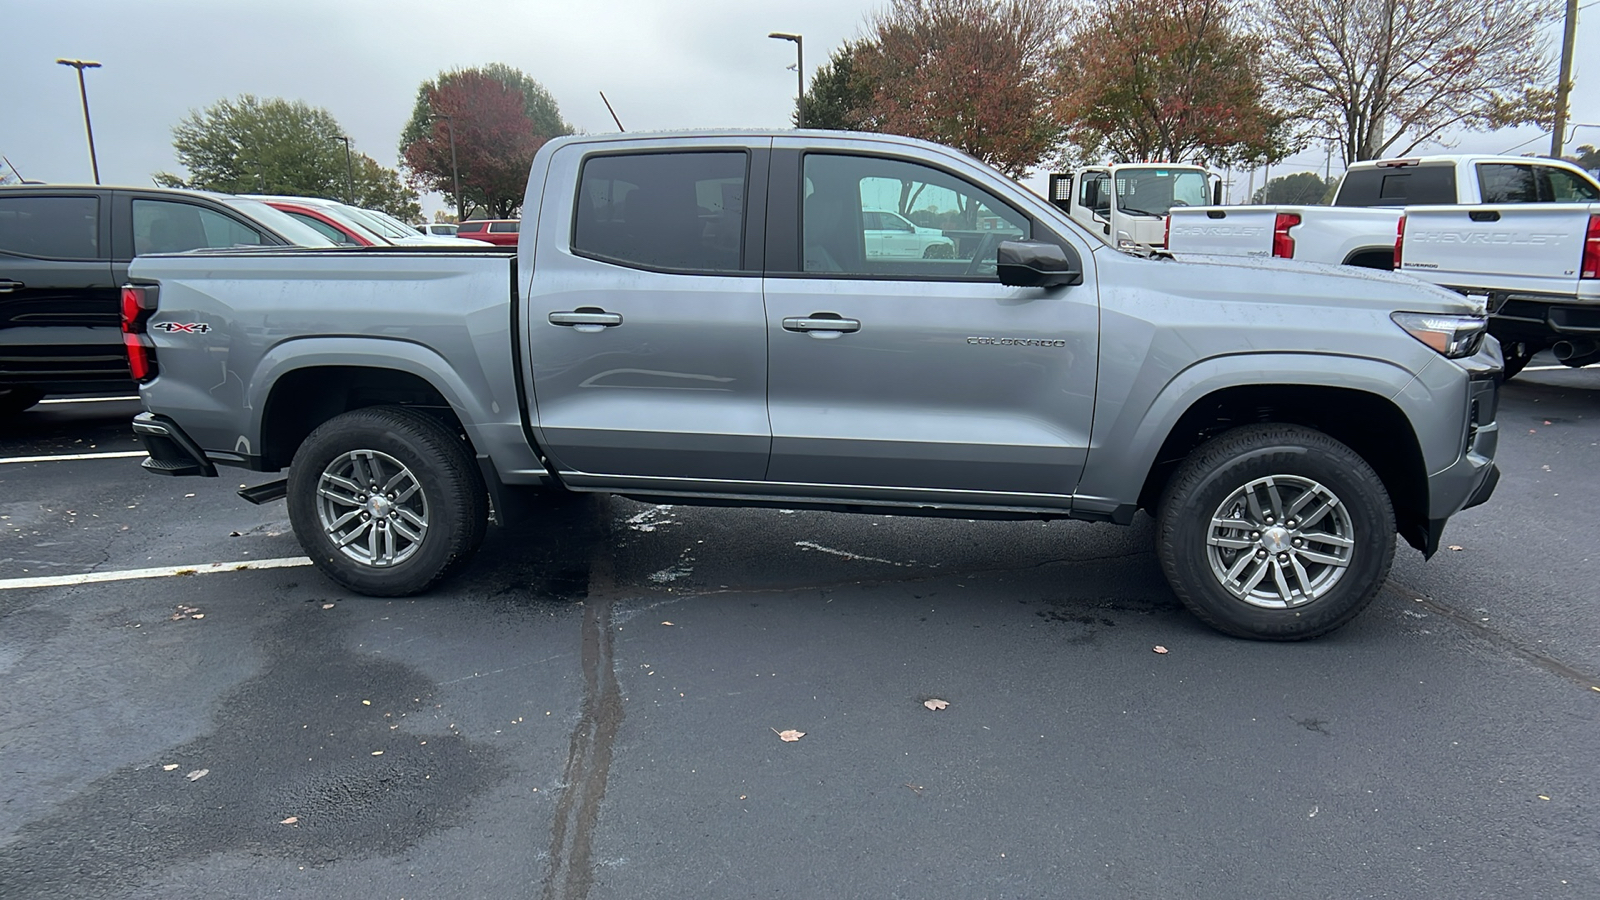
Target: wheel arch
<point x="1381" y="258"/>
<point x="1370" y="424"/>
<point x="302" y="384"/>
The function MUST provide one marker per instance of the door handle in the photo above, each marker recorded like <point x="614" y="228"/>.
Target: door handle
<point x="7" y="287"/>
<point x="587" y="319"/>
<point x="821" y="322"/>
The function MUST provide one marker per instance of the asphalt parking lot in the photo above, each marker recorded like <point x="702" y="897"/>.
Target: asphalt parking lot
<point x="593" y="709"/>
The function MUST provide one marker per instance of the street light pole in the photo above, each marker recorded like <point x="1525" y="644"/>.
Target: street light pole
<point x="349" y="174"/>
<point x="455" y="170"/>
<point x="83" y="92"/>
<point x="799" y="73"/>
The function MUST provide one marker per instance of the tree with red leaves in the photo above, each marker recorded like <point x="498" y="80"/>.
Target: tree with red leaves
<point x="500" y="118"/>
<point x="972" y="74"/>
<point x="1172" y="80"/>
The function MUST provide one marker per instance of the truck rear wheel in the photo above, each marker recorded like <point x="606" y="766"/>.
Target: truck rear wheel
<point x="1515" y="355"/>
<point x="1275" y="532"/>
<point x="386" y="501"/>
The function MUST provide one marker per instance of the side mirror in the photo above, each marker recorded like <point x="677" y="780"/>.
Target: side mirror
<point x="1035" y="264"/>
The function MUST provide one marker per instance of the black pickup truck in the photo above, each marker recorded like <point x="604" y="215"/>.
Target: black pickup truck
<point x="64" y="253"/>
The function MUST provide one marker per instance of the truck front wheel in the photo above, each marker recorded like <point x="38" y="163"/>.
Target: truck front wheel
<point x="386" y="501"/>
<point x="1275" y="532"/>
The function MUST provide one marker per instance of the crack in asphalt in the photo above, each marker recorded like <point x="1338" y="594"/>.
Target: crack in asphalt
<point x="571" y="872"/>
<point x="1498" y="640"/>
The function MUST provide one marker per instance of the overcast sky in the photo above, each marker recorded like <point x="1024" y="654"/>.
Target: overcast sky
<point x="662" y="63"/>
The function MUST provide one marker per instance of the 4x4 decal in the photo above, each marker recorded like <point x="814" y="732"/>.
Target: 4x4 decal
<point x="182" y="327"/>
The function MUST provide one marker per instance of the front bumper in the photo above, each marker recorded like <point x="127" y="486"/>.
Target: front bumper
<point x="1472" y="478"/>
<point x="171" y="451"/>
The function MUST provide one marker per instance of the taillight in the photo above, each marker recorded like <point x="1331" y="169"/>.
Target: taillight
<point x="1400" y="240"/>
<point x="138" y="305"/>
<point x="1166" y="233"/>
<point x="1282" y="243"/>
<point x="1591" y="250"/>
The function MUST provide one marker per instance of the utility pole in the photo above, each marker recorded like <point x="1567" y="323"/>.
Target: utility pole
<point x="799" y="74"/>
<point x="1568" y="38"/>
<point x="83" y="92"/>
<point x="349" y="174"/>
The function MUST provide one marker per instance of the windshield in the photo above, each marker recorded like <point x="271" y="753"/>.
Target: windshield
<point x="374" y="223"/>
<point x="288" y="227"/>
<point x="378" y="213"/>
<point x="1155" y="191"/>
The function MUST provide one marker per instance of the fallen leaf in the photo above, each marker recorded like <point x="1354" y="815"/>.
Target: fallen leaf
<point x="198" y="774"/>
<point x="290" y="821"/>
<point x="1594" y="687"/>
<point x="666" y="623"/>
<point x="791" y="735"/>
<point x="936" y="703"/>
<point x="234" y="534"/>
<point x="366" y="703"/>
<point x="188" y="495"/>
<point x="1457" y="547"/>
<point x="377" y="753"/>
<point x="327" y="606"/>
<point x="1547" y="421"/>
<point x="1541" y="796"/>
<point x="169" y="767"/>
<point x="198" y="616"/>
<point x="1159" y="649"/>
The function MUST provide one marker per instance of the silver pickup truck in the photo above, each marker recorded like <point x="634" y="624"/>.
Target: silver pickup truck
<point x="699" y="318"/>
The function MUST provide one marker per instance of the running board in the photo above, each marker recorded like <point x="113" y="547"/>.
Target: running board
<point x="266" y="493"/>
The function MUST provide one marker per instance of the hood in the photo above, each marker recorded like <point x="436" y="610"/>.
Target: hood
<point x="1295" y="283"/>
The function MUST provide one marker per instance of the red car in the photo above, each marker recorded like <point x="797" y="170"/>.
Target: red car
<point x="317" y="215"/>
<point x="491" y="231"/>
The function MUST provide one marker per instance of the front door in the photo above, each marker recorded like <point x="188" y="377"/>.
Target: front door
<point x="646" y="329"/>
<point x="921" y="375"/>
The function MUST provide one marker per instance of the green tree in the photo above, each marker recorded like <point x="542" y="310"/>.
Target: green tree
<point x="499" y="117"/>
<point x="1588" y="157"/>
<point x="255" y="145"/>
<point x="1299" y="189"/>
<point x="840" y="92"/>
<point x="1170" y="80"/>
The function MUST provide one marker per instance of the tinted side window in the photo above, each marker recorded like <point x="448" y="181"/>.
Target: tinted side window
<point x="51" y="227"/>
<point x="162" y="226"/>
<point x="958" y="226"/>
<point x="504" y="227"/>
<point x="1566" y="187"/>
<point x="1508" y="183"/>
<point x="1399" y="186"/>
<point x="677" y="211"/>
<point x="469" y="227"/>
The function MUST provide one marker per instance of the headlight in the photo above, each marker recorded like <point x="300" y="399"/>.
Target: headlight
<point x="1453" y="336"/>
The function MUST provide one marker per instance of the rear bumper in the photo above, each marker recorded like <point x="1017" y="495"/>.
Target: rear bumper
<point x="171" y="451"/>
<point x="1529" y="319"/>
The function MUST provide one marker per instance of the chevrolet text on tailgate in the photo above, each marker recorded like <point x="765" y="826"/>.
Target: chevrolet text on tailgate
<point x="709" y="318"/>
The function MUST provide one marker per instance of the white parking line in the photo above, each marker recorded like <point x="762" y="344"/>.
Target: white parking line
<point x="120" y="454"/>
<point x="86" y="400"/>
<point x="1549" y="369"/>
<point x="287" y="562"/>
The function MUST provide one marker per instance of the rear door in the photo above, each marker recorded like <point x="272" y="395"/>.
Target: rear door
<point x="919" y="378"/>
<point x="58" y="294"/>
<point x="646" y="328"/>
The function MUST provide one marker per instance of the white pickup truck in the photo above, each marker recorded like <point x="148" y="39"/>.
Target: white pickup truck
<point x="1126" y="204"/>
<point x="1359" y="228"/>
<point x="1537" y="266"/>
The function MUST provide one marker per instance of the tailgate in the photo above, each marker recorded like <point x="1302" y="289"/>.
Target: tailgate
<point x="1222" y="230"/>
<point x="1525" y="248"/>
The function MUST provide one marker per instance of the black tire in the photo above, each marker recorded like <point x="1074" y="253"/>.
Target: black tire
<point x="16" y="399"/>
<point x="1516" y="355"/>
<point x="1313" y="597"/>
<point x="450" y="500"/>
<point x="939" y="251"/>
